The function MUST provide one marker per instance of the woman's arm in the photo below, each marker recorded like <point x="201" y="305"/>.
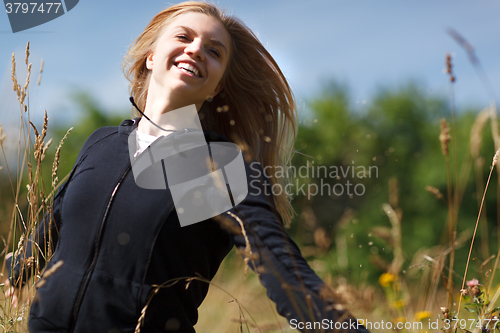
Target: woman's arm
<point x="300" y="295"/>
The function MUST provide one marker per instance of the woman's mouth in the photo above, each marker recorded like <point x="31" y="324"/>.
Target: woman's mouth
<point x="188" y="68"/>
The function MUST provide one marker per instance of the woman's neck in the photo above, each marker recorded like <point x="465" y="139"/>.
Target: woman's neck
<point x="159" y="110"/>
<point x="172" y="120"/>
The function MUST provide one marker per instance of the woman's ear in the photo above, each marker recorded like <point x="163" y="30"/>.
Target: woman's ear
<point x="149" y="61"/>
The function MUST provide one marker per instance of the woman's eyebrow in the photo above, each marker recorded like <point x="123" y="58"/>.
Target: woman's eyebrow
<point x="219" y="43"/>
<point x="213" y="40"/>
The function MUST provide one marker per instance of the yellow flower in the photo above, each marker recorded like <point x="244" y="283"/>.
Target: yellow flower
<point x="398" y="320"/>
<point x="398" y="304"/>
<point x="386" y="279"/>
<point x="419" y="316"/>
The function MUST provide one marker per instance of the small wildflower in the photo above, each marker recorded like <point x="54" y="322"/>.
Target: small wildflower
<point x="399" y="320"/>
<point x="419" y="316"/>
<point x="386" y="279"/>
<point x="464" y="292"/>
<point x="445" y="312"/>
<point x="473" y="285"/>
<point x="398" y="304"/>
<point x="473" y="282"/>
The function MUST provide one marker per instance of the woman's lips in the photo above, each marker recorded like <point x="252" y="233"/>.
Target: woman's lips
<point x="188" y="68"/>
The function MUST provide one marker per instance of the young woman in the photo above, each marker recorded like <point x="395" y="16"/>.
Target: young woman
<point x="117" y="241"/>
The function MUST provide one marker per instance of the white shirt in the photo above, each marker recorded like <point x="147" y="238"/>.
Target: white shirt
<point x="144" y="141"/>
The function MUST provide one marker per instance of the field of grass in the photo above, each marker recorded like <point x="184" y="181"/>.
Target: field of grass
<point x="432" y="286"/>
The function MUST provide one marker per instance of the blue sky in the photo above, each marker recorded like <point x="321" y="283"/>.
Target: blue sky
<point x="364" y="44"/>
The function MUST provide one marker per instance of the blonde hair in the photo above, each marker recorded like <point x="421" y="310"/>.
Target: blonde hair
<point x="255" y="109"/>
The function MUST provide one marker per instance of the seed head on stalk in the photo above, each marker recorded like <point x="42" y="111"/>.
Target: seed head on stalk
<point x="444" y="136"/>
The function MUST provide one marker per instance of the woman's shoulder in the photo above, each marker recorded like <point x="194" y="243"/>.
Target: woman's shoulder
<point x="100" y="134"/>
<point x="106" y="132"/>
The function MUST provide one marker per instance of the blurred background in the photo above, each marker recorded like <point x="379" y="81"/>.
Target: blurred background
<point x="370" y="78"/>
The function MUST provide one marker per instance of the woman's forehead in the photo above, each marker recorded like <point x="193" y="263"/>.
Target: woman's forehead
<point x="200" y="23"/>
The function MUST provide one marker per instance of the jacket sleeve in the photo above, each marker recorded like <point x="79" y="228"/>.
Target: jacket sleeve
<point x="300" y="295"/>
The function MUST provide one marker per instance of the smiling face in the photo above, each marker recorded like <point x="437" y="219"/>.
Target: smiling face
<point x="189" y="60"/>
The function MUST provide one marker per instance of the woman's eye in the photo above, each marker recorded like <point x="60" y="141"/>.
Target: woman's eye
<point x="215" y="52"/>
<point x="183" y="37"/>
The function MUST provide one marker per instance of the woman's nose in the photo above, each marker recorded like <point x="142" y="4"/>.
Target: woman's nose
<point x="195" y="49"/>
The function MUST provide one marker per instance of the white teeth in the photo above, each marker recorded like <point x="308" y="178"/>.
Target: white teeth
<point x="188" y="67"/>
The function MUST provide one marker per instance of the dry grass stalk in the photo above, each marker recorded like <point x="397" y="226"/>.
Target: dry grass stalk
<point x="449" y="67"/>
<point x="434" y="191"/>
<point x="40" y="75"/>
<point x="495" y="159"/>
<point x="141" y="320"/>
<point x="322" y="240"/>
<point x="493" y="164"/>
<point x="29" y="261"/>
<point x="174" y="281"/>
<point x="27" y="53"/>
<point x="396" y="239"/>
<point x="39" y="145"/>
<point x="475" y="150"/>
<point x="20" y="246"/>
<point x="49" y="272"/>
<point x="444" y="137"/>
<point x="227" y="224"/>
<point x="2" y="135"/>
<point x="15" y="85"/>
<point x="488" y="87"/>
<point x="30" y="177"/>
<point x="21" y="93"/>
<point x="477" y="130"/>
<point x="465" y="44"/>
<point x="26" y="84"/>
<point x="45" y="123"/>
<point x="55" y="165"/>
<point x="248" y="249"/>
<point x="28" y="222"/>
<point x="44" y="150"/>
<point x="393" y="192"/>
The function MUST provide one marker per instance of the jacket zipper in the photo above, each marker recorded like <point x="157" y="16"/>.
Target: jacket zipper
<point x="90" y="270"/>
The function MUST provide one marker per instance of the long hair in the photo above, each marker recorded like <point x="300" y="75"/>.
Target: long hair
<point x="255" y="109"/>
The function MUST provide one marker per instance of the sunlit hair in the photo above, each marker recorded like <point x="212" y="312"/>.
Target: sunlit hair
<point x="255" y="109"/>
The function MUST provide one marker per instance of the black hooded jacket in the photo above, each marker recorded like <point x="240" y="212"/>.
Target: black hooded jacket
<point x="116" y="242"/>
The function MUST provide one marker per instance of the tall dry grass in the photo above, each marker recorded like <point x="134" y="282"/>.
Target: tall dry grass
<point x="31" y="197"/>
<point x="473" y="306"/>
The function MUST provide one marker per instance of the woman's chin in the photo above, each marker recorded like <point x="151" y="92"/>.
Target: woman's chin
<point x="187" y="93"/>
